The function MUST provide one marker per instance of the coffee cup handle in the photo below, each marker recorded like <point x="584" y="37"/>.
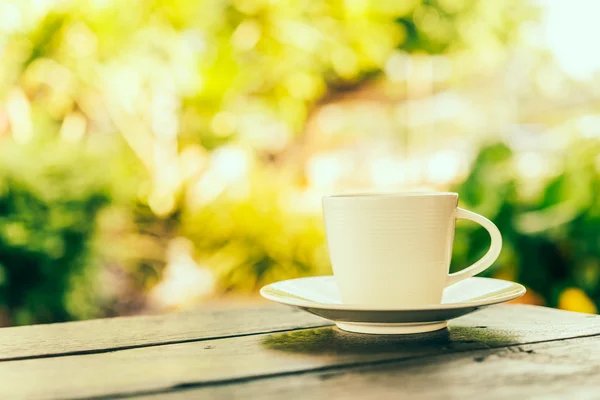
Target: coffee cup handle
<point x="492" y="254"/>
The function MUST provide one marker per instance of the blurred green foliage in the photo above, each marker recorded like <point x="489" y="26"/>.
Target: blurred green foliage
<point x="49" y="198"/>
<point x="259" y="239"/>
<point x="550" y="227"/>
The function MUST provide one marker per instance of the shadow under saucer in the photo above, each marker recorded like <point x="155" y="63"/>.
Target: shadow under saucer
<point x="332" y="340"/>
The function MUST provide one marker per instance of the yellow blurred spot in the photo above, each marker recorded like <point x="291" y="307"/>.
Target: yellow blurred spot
<point x="396" y="67"/>
<point x="192" y="161"/>
<point x="427" y="18"/>
<point x="345" y="62"/>
<point x="356" y="7"/>
<point x="19" y="116"/>
<point x="297" y="34"/>
<point x="16" y="233"/>
<point x="575" y="299"/>
<point x="395" y="8"/>
<point x="224" y="123"/>
<point x="204" y="190"/>
<point x="98" y="5"/>
<point x="73" y="127"/>
<point x="246" y="35"/>
<point x="292" y="110"/>
<point x="144" y="189"/>
<point x="249" y="6"/>
<point x="161" y="204"/>
<point x="165" y="106"/>
<point x="451" y="6"/>
<point x="80" y="40"/>
<point x="303" y="85"/>
<point x="377" y="44"/>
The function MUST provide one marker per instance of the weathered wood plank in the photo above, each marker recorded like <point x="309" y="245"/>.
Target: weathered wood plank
<point x="211" y="362"/>
<point x="568" y="369"/>
<point x="130" y="332"/>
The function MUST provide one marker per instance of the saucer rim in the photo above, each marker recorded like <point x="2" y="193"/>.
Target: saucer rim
<point x="520" y="290"/>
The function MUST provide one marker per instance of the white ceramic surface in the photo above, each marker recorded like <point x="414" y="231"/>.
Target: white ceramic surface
<point x="320" y="296"/>
<point x="393" y="250"/>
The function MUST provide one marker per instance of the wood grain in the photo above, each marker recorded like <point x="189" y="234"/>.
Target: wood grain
<point x="130" y="332"/>
<point x="246" y="358"/>
<point x="568" y="369"/>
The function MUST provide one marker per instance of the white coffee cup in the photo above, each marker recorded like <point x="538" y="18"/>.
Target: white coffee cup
<point x="394" y="250"/>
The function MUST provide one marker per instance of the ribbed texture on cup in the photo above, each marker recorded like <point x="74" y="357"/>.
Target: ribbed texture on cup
<point x="390" y="250"/>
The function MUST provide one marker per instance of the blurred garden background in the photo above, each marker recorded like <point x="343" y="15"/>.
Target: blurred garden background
<point x="162" y="154"/>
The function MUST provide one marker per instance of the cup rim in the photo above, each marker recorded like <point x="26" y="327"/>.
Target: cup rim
<point x="380" y="195"/>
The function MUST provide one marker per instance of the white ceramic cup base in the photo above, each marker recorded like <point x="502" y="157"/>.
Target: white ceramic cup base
<point x="391" y="329"/>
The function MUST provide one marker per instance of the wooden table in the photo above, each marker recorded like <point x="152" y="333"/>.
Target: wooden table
<point x="276" y="352"/>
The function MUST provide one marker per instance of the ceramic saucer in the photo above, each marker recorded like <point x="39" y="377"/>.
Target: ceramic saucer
<point x="319" y="295"/>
